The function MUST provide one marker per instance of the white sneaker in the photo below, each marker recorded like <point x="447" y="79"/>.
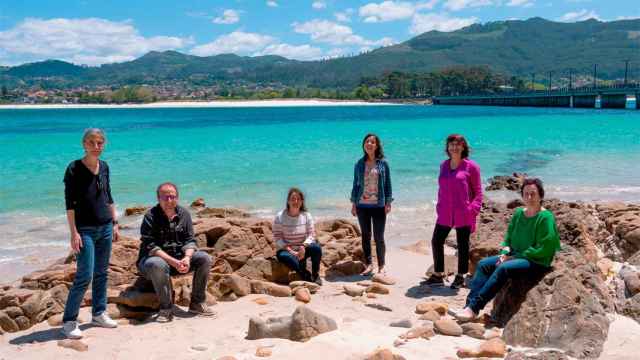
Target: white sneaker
<point x="71" y="330"/>
<point x="465" y="315"/>
<point x="104" y="321"/>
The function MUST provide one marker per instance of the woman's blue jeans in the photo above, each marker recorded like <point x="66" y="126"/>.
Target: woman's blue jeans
<point x="490" y="278"/>
<point x="92" y="262"/>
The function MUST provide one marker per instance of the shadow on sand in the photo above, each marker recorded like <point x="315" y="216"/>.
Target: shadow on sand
<point x="423" y="290"/>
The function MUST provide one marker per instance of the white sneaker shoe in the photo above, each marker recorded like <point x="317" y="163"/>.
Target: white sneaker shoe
<point x="465" y="315"/>
<point x="71" y="330"/>
<point x="103" y="320"/>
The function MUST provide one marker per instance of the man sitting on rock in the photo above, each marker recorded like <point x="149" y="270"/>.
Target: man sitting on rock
<point x="169" y="248"/>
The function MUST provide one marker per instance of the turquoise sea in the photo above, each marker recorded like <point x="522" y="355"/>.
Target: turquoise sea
<point x="248" y="157"/>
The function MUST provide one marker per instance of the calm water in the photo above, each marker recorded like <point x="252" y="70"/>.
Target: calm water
<point x="248" y="157"/>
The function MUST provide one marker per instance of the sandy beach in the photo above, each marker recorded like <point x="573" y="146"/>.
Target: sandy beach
<point x="204" y="104"/>
<point x="360" y="331"/>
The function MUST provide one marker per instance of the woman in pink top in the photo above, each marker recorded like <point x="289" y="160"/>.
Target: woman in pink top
<point x="459" y="203"/>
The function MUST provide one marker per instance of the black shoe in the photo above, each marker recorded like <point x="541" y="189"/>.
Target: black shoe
<point x="305" y="275"/>
<point x="458" y="282"/>
<point x="316" y="279"/>
<point x="435" y="280"/>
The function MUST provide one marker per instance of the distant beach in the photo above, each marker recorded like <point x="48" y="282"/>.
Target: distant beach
<point x="204" y="104"/>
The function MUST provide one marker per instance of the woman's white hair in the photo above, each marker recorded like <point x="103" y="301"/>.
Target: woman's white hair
<point x="91" y="132"/>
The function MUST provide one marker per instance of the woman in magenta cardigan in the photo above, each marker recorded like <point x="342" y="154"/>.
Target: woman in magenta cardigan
<point x="459" y="203"/>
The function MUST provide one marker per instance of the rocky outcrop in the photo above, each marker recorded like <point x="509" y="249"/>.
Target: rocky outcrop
<point x="301" y="326"/>
<point x="567" y="309"/>
<point x="244" y="262"/>
<point x="506" y="182"/>
<point x="623" y="223"/>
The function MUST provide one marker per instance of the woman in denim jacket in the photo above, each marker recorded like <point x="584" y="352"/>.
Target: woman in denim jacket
<point x="371" y="198"/>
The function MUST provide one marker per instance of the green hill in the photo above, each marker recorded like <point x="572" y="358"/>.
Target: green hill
<point x="514" y="47"/>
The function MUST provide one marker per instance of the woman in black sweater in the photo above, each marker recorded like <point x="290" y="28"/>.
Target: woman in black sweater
<point x="91" y="214"/>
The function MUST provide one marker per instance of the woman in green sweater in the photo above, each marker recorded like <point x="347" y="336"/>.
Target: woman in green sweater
<point x="528" y="248"/>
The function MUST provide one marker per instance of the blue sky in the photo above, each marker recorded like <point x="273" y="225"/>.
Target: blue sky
<point x="95" y="32"/>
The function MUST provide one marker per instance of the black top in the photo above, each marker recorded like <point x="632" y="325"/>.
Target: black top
<point x="158" y="233"/>
<point x="87" y="194"/>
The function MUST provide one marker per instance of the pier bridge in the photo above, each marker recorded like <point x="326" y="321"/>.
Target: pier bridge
<point x="607" y="97"/>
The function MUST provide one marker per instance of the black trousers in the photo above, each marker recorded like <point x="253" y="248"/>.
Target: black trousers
<point x="440" y="233"/>
<point x="377" y="216"/>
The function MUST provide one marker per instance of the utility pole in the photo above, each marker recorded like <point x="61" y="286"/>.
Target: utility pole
<point x="550" y="72"/>
<point x="533" y="81"/>
<point x="626" y="72"/>
<point x="595" y="76"/>
<point x="570" y="79"/>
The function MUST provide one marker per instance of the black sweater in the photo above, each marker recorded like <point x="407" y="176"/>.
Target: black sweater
<point x="87" y="194"/>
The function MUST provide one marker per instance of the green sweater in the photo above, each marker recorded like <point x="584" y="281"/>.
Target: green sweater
<point x="533" y="238"/>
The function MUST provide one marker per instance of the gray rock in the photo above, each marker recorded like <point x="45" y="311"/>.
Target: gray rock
<point x="239" y="285"/>
<point x="312" y="287"/>
<point x="353" y="290"/>
<point x="301" y="326"/>
<point x="447" y="327"/>
<point x="404" y="323"/>
<point x="474" y="330"/>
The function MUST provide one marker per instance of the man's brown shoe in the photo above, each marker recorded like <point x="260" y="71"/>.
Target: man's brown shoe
<point x="201" y="309"/>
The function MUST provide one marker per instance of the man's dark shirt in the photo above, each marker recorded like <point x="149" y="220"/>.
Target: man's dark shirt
<point x="158" y="233"/>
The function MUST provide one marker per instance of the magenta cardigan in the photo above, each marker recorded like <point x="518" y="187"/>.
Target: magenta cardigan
<point x="459" y="194"/>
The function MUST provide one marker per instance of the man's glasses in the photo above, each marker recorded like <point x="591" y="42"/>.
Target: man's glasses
<point x="168" y="197"/>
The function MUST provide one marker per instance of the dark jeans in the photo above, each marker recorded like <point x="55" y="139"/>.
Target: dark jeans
<point x="489" y="278"/>
<point x="157" y="270"/>
<point x="440" y="233"/>
<point x="92" y="262"/>
<point x="377" y="216"/>
<point x="313" y="251"/>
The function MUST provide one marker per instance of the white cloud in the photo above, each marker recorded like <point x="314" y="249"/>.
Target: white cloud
<point x="301" y="52"/>
<point x="342" y="17"/>
<point x="455" y="5"/>
<point x="392" y="10"/>
<point x="237" y="42"/>
<point x="325" y="31"/>
<point x="90" y="41"/>
<point x="580" y="15"/>
<point x="254" y="44"/>
<point x="272" y="3"/>
<point x="319" y="5"/>
<point x="229" y="16"/>
<point x="520" y="3"/>
<point x="441" y="22"/>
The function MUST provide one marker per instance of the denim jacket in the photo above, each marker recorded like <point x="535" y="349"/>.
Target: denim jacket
<point x="384" y="182"/>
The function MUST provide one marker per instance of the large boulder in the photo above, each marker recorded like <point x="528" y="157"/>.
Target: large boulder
<point x="566" y="310"/>
<point x="301" y="326"/>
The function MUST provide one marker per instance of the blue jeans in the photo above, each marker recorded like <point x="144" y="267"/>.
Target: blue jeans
<point x="157" y="270"/>
<point x="313" y="251"/>
<point x="489" y="278"/>
<point x="92" y="262"/>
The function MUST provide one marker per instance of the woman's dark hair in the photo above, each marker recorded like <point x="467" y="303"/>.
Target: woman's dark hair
<point x="379" y="151"/>
<point x="533" y="181"/>
<point x="460" y="139"/>
<point x="295" y="190"/>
